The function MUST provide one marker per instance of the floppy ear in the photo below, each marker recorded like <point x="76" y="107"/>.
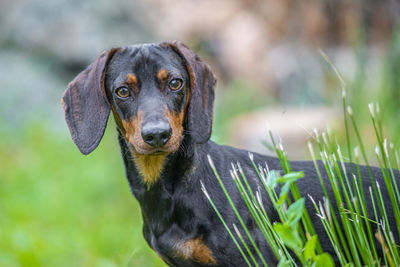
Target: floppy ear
<point x="202" y="84"/>
<point x="85" y="105"/>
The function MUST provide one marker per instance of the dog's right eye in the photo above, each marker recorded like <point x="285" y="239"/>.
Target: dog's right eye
<point x="175" y="84"/>
<point x="123" y="92"/>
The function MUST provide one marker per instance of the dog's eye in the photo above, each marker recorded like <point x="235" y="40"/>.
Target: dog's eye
<point x="175" y="84"/>
<point x="123" y="92"/>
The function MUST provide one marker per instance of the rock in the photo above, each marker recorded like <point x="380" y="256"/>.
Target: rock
<point x="293" y="125"/>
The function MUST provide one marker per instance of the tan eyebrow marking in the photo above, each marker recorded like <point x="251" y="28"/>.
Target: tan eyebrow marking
<point x="131" y="78"/>
<point x="162" y="75"/>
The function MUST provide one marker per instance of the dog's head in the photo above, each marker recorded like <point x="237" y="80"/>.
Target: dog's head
<point x="157" y="93"/>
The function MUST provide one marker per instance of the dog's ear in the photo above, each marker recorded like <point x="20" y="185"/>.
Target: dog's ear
<point x="202" y="84"/>
<point x="86" y="106"/>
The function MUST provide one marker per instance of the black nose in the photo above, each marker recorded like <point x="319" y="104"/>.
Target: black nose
<point x="156" y="134"/>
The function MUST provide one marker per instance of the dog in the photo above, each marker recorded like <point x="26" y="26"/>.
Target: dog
<point x="161" y="96"/>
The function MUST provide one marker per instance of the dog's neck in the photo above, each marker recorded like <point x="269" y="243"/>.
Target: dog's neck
<point x="145" y="172"/>
<point x="149" y="167"/>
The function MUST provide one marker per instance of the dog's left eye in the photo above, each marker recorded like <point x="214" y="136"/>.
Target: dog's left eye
<point x="123" y="92"/>
<point x="175" y="84"/>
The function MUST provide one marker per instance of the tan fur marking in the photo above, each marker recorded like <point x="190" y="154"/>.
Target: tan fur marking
<point x="63" y="104"/>
<point x="162" y="75"/>
<point x="131" y="78"/>
<point x="176" y="121"/>
<point x="149" y="166"/>
<point x="131" y="126"/>
<point x="197" y="251"/>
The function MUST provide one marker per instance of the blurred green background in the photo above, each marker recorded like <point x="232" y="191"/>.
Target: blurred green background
<point x="59" y="208"/>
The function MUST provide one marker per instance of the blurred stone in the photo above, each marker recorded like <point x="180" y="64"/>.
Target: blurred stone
<point x="74" y="31"/>
<point x="294" y="126"/>
<point x="297" y="73"/>
<point x="256" y="40"/>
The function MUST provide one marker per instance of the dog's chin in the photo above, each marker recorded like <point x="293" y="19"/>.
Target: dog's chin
<point x="149" y="151"/>
<point x="138" y="147"/>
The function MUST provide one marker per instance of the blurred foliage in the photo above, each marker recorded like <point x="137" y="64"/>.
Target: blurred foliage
<point x="383" y="87"/>
<point x="237" y="98"/>
<point x="59" y="208"/>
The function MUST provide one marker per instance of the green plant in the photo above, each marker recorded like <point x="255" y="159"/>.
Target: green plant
<point x="344" y="217"/>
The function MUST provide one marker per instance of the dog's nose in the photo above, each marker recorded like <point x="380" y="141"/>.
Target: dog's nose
<point x="156" y="134"/>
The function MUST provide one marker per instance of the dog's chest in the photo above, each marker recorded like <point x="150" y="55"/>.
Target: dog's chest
<point x="178" y="249"/>
<point x="172" y="229"/>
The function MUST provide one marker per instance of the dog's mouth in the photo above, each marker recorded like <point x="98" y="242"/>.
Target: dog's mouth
<point x="155" y="152"/>
<point x="147" y="150"/>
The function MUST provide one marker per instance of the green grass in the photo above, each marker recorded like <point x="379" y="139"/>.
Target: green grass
<point x="60" y="208"/>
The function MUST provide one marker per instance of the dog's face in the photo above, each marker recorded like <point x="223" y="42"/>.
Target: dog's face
<point x="157" y="92"/>
<point x="148" y="87"/>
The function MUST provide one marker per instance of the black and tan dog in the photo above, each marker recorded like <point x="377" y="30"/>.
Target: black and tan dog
<point x="162" y="98"/>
